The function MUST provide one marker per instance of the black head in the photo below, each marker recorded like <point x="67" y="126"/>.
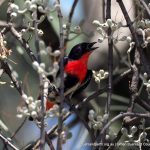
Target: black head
<point x="80" y="49"/>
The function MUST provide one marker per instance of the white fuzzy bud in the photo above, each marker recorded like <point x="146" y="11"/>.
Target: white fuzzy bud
<point x="77" y="29"/>
<point x="148" y="87"/>
<point x="128" y="39"/>
<point x="139" y="31"/>
<point x="42" y="65"/>
<point x="57" y="53"/>
<point x="148" y="39"/>
<point x="50" y="18"/>
<point x="40" y="8"/>
<point x="145" y="75"/>
<point x="35" y="65"/>
<point x="64" y="26"/>
<point x="105" y="117"/>
<point x="14" y="7"/>
<point x="32" y="106"/>
<point x="133" y="129"/>
<point x="30" y="99"/>
<point x="33" y="7"/>
<point x="91" y="112"/>
<point x="106" y="74"/>
<point x="96" y="22"/>
<point x="40" y="70"/>
<point x="100" y="39"/>
<point x="102" y="72"/>
<point x="13" y="15"/>
<point x="34" y="114"/>
<point x="109" y="22"/>
<point x="40" y="32"/>
<point x="27" y="4"/>
<point x="24" y="97"/>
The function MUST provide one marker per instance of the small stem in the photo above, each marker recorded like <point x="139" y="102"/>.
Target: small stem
<point x="69" y="21"/>
<point x="7" y="142"/>
<point x="23" y="43"/>
<point x="145" y="6"/>
<point x="60" y="118"/>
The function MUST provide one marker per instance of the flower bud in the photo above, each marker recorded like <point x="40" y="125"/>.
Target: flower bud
<point x="96" y="22"/>
<point x="35" y="65"/>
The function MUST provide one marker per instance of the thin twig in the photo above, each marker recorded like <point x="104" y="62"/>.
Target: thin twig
<point x="35" y="23"/>
<point x="122" y="115"/>
<point x="100" y="91"/>
<point x="18" y="129"/>
<point x="7" y="70"/>
<point x="137" y="63"/>
<point x="69" y="21"/>
<point x="51" y="132"/>
<point x="135" y="37"/>
<point x="61" y="46"/>
<point x="76" y="111"/>
<point x="7" y="142"/>
<point x="23" y="42"/>
<point x="110" y="67"/>
<point x="145" y="6"/>
<point x="42" y="82"/>
<point x="110" y="59"/>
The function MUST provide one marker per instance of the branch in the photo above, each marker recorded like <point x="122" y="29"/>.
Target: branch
<point x="7" y="142"/>
<point x="69" y="21"/>
<point x="60" y="118"/>
<point x="122" y="115"/>
<point x="76" y="111"/>
<point x="135" y="37"/>
<point x="23" y="42"/>
<point x="42" y="84"/>
<point x="145" y="6"/>
<point x="7" y="70"/>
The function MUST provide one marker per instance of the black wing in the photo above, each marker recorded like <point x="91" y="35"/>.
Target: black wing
<point x="70" y="82"/>
<point x="85" y="82"/>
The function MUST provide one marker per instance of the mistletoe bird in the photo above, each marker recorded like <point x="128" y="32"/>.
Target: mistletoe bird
<point x="77" y="74"/>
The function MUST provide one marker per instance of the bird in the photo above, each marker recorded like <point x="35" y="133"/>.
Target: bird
<point x="77" y="75"/>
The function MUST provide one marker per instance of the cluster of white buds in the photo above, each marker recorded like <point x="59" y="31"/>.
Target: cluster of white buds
<point x="40" y="68"/>
<point x="29" y="5"/>
<point x="14" y="10"/>
<point x="143" y="29"/>
<point x="95" y="121"/>
<point x="99" y="75"/>
<point x="131" y="135"/>
<point x="77" y="30"/>
<point x="32" y="5"/>
<point x="102" y="28"/>
<point x="31" y="109"/>
<point x="144" y="24"/>
<point x="133" y="130"/>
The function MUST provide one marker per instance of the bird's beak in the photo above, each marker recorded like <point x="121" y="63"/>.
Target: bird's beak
<point x="90" y="46"/>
